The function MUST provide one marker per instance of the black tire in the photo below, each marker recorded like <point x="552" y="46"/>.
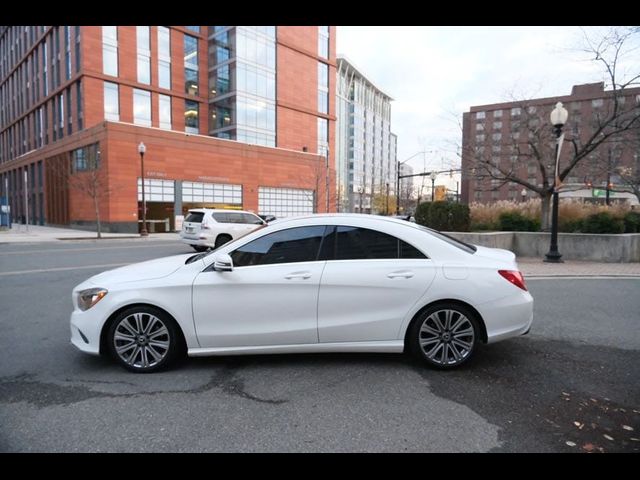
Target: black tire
<point x="142" y="351"/>
<point x="221" y="240"/>
<point x="446" y="341"/>
<point x="200" y="248"/>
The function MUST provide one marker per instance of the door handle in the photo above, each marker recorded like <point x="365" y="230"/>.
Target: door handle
<point x="302" y="275"/>
<point x="401" y="274"/>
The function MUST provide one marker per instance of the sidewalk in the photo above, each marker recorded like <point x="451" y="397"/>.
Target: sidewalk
<point x="536" y="268"/>
<point x="38" y="234"/>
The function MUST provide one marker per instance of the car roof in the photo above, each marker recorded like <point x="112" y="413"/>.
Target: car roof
<point x="218" y="210"/>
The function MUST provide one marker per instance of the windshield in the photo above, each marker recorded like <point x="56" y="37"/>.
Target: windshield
<point x="450" y="240"/>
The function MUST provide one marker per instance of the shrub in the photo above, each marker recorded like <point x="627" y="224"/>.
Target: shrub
<point x="631" y="222"/>
<point x="513" y="221"/>
<point x="602" y="222"/>
<point x="443" y="216"/>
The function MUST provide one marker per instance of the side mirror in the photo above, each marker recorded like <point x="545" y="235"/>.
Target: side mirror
<point x="222" y="262"/>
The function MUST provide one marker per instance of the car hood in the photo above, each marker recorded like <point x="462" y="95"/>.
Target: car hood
<point x="148" y="270"/>
<point x="496" y="254"/>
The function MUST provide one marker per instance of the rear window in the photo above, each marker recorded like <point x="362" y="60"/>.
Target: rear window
<point x="194" y="217"/>
<point x="450" y="240"/>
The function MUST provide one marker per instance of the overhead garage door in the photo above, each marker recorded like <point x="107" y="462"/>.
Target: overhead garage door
<point x="284" y="202"/>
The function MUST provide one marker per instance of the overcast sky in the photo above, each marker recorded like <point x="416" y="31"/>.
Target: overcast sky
<point x="432" y="71"/>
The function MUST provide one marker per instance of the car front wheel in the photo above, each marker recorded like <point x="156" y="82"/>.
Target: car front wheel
<point x="144" y="339"/>
<point x="444" y="335"/>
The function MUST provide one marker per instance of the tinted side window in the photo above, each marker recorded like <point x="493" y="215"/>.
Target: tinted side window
<point x="220" y="217"/>
<point x="360" y="243"/>
<point x="252" y="219"/>
<point x="293" y="245"/>
<point x="235" y="218"/>
<point x="409" y="251"/>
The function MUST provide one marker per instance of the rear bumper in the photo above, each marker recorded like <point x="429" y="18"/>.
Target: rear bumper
<point x="202" y="242"/>
<point x="508" y="317"/>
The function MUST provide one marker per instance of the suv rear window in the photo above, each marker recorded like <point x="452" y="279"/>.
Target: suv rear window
<point x="194" y="217"/>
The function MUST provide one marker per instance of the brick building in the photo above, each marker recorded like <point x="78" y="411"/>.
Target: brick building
<point x="499" y="136"/>
<point x="232" y="117"/>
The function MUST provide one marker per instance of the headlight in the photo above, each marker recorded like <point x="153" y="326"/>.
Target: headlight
<point x="88" y="298"/>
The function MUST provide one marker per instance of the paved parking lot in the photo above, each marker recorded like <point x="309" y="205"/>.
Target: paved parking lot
<point x="572" y="384"/>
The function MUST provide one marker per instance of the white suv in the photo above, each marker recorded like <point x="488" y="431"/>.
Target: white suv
<point x="205" y="228"/>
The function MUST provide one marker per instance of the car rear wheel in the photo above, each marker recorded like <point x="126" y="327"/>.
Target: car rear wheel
<point x="444" y="335"/>
<point x="144" y="339"/>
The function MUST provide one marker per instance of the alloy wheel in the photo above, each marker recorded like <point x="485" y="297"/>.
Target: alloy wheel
<point x="446" y="337"/>
<point x="141" y="340"/>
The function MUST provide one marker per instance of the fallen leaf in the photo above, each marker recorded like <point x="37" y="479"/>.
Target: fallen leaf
<point x="566" y="394"/>
<point x="627" y="427"/>
<point x="635" y="439"/>
<point x="571" y="444"/>
<point x="608" y="437"/>
<point x="589" y="447"/>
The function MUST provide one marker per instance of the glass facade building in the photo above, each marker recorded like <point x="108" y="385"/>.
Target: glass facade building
<point x="366" y="149"/>
<point x="242" y="83"/>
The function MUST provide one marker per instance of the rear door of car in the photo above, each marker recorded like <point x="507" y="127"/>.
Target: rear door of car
<point x="369" y="284"/>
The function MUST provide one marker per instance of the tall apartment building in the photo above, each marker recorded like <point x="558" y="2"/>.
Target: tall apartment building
<point x="366" y="157"/>
<point x="500" y="135"/>
<point x="231" y="116"/>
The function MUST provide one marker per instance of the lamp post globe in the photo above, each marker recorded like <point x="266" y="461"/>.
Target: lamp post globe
<point x="141" y="150"/>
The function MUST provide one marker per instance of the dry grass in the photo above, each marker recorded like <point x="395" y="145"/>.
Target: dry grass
<point x="570" y="212"/>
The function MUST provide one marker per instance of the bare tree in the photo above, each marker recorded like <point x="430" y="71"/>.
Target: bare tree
<point x="83" y="173"/>
<point x="531" y="142"/>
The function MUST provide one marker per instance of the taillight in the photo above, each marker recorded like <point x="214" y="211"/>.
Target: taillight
<point x="515" y="277"/>
<point x="206" y="226"/>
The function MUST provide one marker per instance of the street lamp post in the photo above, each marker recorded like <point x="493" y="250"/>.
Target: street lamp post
<point x="141" y="150"/>
<point x="398" y="176"/>
<point x="433" y="177"/>
<point x="558" y="118"/>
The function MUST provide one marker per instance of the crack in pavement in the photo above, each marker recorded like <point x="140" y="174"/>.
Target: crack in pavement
<point x="24" y="388"/>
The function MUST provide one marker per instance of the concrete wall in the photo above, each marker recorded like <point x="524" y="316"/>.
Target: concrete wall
<point x="572" y="246"/>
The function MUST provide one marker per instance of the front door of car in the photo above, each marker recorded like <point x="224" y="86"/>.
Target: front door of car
<point x="369" y="285"/>
<point x="269" y="298"/>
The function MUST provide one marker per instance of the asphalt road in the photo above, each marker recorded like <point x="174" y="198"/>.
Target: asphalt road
<point x="572" y="384"/>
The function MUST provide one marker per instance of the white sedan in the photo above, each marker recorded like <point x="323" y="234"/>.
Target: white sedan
<point x="322" y="283"/>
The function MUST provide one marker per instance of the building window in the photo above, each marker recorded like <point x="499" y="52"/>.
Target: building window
<point x="480" y="115"/>
<point x="597" y="102"/>
<point x="191" y="116"/>
<point x="111" y="102"/>
<point x="193" y="29"/>
<point x="86" y="158"/>
<point x="110" y="50"/>
<point x="323" y="41"/>
<point x="479" y="127"/>
<point x="515" y="111"/>
<point x="285" y="202"/>
<point x="69" y="116"/>
<point x="67" y="51"/>
<point x="497" y="113"/>
<point x="144" y="54"/>
<point x="323" y="136"/>
<point x="77" y="48"/>
<point x="141" y="107"/>
<point x="165" y="111"/>
<point x="79" y="103"/>
<point x="323" y="87"/>
<point x="497" y="125"/>
<point x="164" y="58"/>
<point x="191" y="65"/>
